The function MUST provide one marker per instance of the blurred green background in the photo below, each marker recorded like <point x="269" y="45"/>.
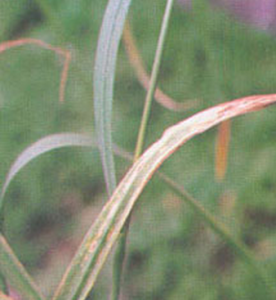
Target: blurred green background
<point x="171" y="253"/>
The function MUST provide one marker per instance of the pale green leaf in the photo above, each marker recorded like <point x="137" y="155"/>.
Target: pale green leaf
<point x="104" y="74"/>
<point x="43" y="145"/>
<point x="46" y="144"/>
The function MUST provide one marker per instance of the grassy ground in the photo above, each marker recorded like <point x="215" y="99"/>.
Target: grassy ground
<point x="208" y="57"/>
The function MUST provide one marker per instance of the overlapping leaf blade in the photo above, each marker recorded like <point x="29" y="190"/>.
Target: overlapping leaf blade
<point x="87" y="263"/>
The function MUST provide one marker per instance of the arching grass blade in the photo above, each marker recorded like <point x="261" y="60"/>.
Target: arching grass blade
<point x="99" y="240"/>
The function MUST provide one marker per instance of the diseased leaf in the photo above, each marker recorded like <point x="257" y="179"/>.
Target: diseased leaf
<point x="99" y="240"/>
<point x="104" y="74"/>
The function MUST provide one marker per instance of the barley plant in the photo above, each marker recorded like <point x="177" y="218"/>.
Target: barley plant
<point x="73" y="77"/>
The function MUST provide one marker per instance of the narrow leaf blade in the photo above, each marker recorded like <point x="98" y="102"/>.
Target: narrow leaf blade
<point x="49" y="143"/>
<point x="104" y="74"/>
<point x="97" y="244"/>
<point x="43" y="145"/>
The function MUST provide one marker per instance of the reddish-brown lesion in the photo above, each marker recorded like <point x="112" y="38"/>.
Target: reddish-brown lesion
<point x="222" y="149"/>
<point x="242" y="106"/>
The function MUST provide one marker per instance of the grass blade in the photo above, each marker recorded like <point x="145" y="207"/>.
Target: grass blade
<point x="44" y="145"/>
<point x="97" y="244"/>
<point x="104" y="73"/>
<point x="15" y="273"/>
<point x="60" y="140"/>
<point x="49" y="143"/>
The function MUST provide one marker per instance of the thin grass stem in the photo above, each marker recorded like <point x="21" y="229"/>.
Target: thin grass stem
<point x="153" y="80"/>
<point x="217" y="226"/>
<point x="121" y="249"/>
<point x="214" y="223"/>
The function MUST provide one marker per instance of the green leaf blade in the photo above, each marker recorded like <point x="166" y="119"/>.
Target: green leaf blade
<point x="40" y="147"/>
<point x="104" y="74"/>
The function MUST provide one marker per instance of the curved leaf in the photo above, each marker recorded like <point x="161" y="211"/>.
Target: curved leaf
<point x="137" y="63"/>
<point x="43" y="145"/>
<point x="104" y="73"/>
<point x="46" y="144"/>
<point x="97" y="244"/>
<point x="30" y="41"/>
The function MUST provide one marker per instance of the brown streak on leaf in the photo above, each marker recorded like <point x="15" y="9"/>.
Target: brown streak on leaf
<point x="65" y="53"/>
<point x="136" y="61"/>
<point x="222" y="149"/>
